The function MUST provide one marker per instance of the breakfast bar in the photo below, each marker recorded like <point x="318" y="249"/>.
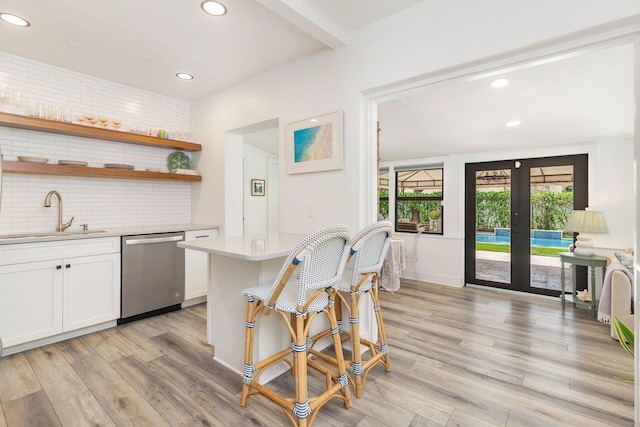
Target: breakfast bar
<point x="237" y="263"/>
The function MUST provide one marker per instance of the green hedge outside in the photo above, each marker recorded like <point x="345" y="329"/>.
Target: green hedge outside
<point x="550" y="209"/>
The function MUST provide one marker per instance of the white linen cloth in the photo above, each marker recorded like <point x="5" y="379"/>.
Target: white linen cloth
<point x="393" y="265"/>
<point x="604" y="306"/>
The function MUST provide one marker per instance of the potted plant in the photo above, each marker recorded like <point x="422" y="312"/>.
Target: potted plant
<point x="626" y="337"/>
<point x="434" y="216"/>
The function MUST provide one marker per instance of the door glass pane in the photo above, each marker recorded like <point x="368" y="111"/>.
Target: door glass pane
<point x="493" y="225"/>
<point x="551" y="204"/>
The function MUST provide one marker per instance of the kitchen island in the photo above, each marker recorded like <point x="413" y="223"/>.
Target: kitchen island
<point x="240" y="262"/>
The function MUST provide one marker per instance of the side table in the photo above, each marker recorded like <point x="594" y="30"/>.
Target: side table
<point x="587" y="261"/>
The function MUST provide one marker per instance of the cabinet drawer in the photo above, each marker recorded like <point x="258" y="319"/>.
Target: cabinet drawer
<point x="196" y="266"/>
<point x="200" y="234"/>
<point x="31" y="252"/>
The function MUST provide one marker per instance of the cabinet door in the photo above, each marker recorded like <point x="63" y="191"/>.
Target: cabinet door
<point x="30" y="301"/>
<point x="91" y="290"/>
<point x="196" y="267"/>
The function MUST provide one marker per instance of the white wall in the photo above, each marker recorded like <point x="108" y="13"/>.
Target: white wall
<point x="99" y="202"/>
<point x="428" y="37"/>
<point x="273" y="195"/>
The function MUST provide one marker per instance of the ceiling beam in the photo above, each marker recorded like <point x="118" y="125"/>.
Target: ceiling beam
<point x="308" y="20"/>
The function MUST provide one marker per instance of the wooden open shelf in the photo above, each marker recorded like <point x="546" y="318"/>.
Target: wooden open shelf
<point x="53" y="169"/>
<point x="44" y="125"/>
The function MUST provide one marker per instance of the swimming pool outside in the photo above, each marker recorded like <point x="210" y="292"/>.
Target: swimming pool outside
<point x="535" y="241"/>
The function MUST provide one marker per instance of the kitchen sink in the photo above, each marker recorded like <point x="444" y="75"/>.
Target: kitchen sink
<point x="49" y="234"/>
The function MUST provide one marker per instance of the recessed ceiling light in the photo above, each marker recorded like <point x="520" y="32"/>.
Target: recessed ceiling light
<point x="512" y="123"/>
<point x="214" y="8"/>
<point x="15" y="20"/>
<point x="499" y="83"/>
<point x="313" y="120"/>
<point x="184" y="76"/>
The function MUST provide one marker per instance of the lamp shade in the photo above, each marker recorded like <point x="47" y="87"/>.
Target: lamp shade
<point x="591" y="222"/>
<point x="586" y="222"/>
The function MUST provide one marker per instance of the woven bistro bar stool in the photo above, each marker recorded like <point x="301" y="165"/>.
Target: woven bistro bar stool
<point x="368" y="251"/>
<point x="304" y="288"/>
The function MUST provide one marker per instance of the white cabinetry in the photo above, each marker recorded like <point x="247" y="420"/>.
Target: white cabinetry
<point x="196" y="269"/>
<point x="30" y="301"/>
<point x="91" y="290"/>
<point x="49" y="288"/>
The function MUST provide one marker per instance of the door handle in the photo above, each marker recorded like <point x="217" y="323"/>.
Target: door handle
<point x="58" y="267"/>
<point x="68" y="266"/>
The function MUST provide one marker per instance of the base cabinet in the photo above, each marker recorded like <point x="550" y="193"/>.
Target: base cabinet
<point x="41" y="297"/>
<point x="91" y="291"/>
<point x="196" y="266"/>
<point x="30" y="302"/>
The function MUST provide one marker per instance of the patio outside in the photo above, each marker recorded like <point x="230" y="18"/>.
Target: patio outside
<point x="545" y="270"/>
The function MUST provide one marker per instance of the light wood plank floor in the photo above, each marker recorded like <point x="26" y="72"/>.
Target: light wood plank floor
<point x="461" y="357"/>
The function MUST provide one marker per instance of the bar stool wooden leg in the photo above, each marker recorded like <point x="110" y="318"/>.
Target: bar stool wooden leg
<point x="343" y="379"/>
<point x="356" y="353"/>
<point x="248" y="350"/>
<point x="301" y="409"/>
<point x="378" y="353"/>
<point x="382" y="338"/>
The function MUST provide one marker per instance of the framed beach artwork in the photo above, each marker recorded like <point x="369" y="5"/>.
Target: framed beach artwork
<point x="315" y="144"/>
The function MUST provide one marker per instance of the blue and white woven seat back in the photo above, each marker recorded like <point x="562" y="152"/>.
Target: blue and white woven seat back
<point x="371" y="246"/>
<point x="322" y="262"/>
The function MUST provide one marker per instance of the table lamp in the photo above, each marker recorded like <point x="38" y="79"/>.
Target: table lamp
<point x="586" y="222"/>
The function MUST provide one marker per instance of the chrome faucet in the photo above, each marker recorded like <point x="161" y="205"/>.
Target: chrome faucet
<point x="47" y="204"/>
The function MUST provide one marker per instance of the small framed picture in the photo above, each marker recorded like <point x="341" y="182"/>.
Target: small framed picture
<point x="257" y="187"/>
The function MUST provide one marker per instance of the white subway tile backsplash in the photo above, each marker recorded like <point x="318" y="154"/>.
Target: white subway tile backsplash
<point x="99" y="202"/>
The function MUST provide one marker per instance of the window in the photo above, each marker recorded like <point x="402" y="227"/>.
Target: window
<point x="419" y="199"/>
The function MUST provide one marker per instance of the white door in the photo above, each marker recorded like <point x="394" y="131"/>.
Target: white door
<point x="30" y="301"/>
<point x="91" y="290"/>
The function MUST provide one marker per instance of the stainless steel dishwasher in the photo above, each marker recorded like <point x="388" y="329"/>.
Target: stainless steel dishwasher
<point x="152" y="275"/>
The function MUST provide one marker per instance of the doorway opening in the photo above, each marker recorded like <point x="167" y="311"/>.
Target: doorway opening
<point x="251" y="159"/>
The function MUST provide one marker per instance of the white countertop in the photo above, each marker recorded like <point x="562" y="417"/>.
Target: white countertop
<point x="250" y="248"/>
<point x="108" y="232"/>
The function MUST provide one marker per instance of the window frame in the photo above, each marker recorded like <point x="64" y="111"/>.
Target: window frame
<point x="438" y="198"/>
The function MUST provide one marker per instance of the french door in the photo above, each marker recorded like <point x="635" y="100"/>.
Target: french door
<point x="514" y="214"/>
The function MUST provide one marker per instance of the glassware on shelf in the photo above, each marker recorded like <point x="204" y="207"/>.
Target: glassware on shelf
<point x="103" y="121"/>
<point x="183" y="132"/>
<point x="50" y="112"/>
<point x="90" y="119"/>
<point x="64" y="114"/>
<point x="34" y="108"/>
<point x="4" y="97"/>
<point x="116" y="123"/>
<point x="15" y="98"/>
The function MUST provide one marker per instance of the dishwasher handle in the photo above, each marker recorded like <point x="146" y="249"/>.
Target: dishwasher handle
<point x="153" y="240"/>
